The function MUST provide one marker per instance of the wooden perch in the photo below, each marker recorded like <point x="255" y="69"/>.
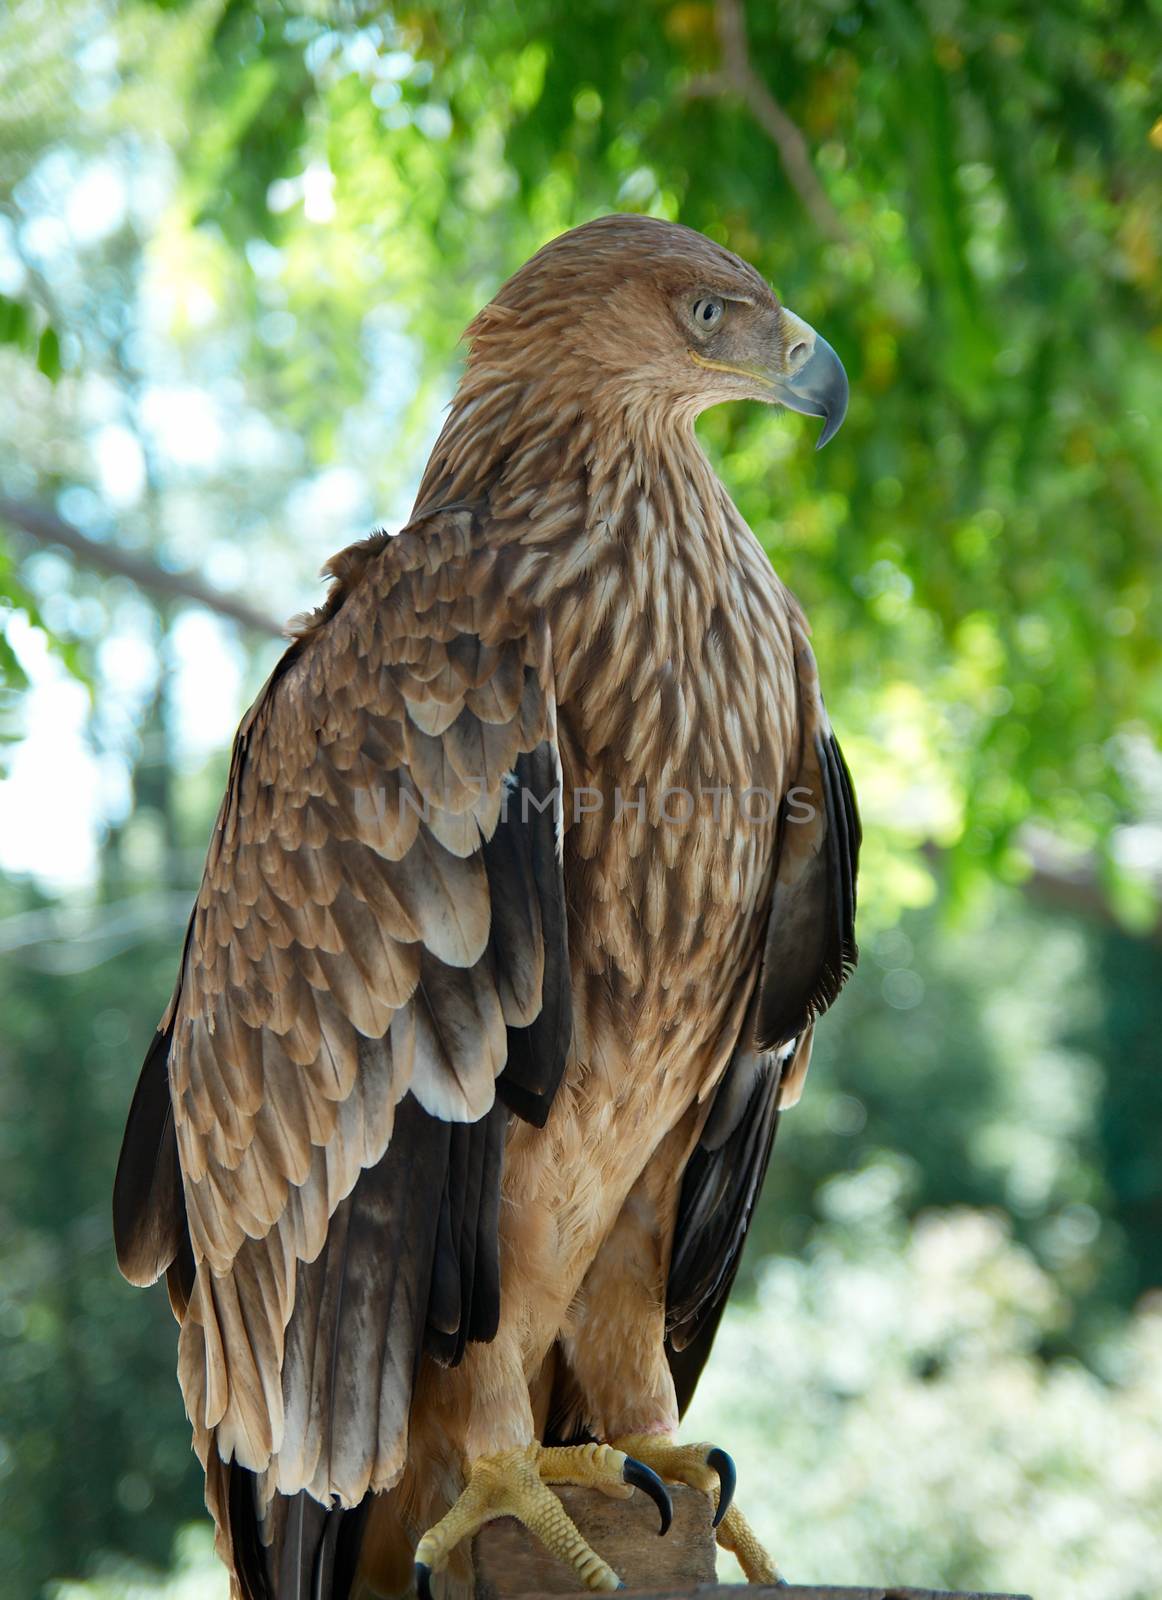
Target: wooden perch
<point x="511" y="1565"/>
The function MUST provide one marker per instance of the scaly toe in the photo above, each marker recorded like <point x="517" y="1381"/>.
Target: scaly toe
<point x="702" y="1466"/>
<point x="709" y="1468"/>
<point x="601" y="1466"/>
<point x="515" y="1484"/>
<point x="737" y="1536"/>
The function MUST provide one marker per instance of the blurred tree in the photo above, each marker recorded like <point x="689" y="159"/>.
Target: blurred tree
<point x="977" y="226"/>
<point x="965" y="198"/>
<point x="88" y="1436"/>
<point x="238" y="242"/>
<point x="1124" y="1033"/>
<point x="1004" y="1065"/>
<point x="913" y="1435"/>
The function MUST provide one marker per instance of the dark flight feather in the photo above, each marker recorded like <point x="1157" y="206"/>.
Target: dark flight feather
<point x="523" y="854"/>
<point x="149" y="1217"/>
<point x="465" y="1298"/>
<point x="719" y="1189"/>
<point x="810" y="946"/>
<point x="808" y="953"/>
<point x="300" y="1550"/>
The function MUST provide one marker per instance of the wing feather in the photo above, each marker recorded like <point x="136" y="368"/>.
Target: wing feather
<point x="808" y="951"/>
<point x="810" y="945"/>
<point x="375" y="944"/>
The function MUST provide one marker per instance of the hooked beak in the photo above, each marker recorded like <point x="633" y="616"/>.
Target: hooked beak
<point x="813" y="380"/>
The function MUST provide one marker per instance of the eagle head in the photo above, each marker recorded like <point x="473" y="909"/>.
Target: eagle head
<point x="655" y="318"/>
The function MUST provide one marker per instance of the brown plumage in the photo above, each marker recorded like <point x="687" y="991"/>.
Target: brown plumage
<point x="535" y="866"/>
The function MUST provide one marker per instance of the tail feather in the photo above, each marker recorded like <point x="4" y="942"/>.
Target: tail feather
<point x="295" y="1549"/>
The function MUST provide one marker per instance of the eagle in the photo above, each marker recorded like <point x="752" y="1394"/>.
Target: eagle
<point x="535" y="868"/>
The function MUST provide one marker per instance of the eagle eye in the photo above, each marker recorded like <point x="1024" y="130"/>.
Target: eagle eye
<point x="707" y="312"/>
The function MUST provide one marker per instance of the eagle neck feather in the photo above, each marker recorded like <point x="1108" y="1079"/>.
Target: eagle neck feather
<point x="671" y="632"/>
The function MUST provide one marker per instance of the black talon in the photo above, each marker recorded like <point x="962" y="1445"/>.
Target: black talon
<point x="727" y="1478"/>
<point x="423" y="1581"/>
<point x="643" y="1477"/>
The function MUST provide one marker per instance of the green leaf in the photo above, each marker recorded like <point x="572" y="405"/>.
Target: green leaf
<point x="48" y="354"/>
<point x="14" y="321"/>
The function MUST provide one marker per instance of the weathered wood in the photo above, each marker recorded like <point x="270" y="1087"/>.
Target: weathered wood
<point x="511" y="1565"/>
<point x="510" y="1562"/>
<point x="795" y="1591"/>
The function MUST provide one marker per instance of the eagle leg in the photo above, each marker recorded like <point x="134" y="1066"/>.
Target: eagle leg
<point x="736" y="1535"/>
<point x="514" y="1483"/>
<point x="710" y="1469"/>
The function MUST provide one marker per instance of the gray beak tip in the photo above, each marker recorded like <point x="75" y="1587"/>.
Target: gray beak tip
<point x="831" y="426"/>
<point x="830" y="391"/>
<point x="819" y="389"/>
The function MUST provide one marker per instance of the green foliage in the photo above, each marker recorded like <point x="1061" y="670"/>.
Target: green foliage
<point x="1006" y="1067"/>
<point x="197" y="1575"/>
<point x="1124" y="1033"/>
<point x="18" y="326"/>
<point x="976" y="551"/>
<point x="986" y="528"/>
<point x="913" y="1436"/>
<point x="913" y="1433"/>
<point x="1010" y="1066"/>
<point x="238" y="244"/>
<point x="94" y="1454"/>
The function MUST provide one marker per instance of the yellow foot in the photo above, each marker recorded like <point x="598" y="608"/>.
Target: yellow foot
<point x="514" y="1484"/>
<point x="710" y="1469"/>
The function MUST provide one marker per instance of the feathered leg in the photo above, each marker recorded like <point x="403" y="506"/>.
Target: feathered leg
<point x="515" y="1483"/>
<point x="484" y="1406"/>
<point x="620" y="1382"/>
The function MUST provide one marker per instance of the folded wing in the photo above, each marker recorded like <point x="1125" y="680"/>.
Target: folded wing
<point x="377" y="953"/>
<point x="808" y="952"/>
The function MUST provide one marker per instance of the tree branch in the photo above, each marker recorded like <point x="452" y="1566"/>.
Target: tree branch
<point x="1063" y="883"/>
<point x="1074" y="888"/>
<point x="738" y="77"/>
<point x="39" y="523"/>
<point x="1073" y="883"/>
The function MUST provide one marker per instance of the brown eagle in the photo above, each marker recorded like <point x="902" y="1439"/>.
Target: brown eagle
<point x="535" y="867"/>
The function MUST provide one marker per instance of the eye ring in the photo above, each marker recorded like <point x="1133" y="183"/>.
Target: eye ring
<point x="707" y="312"/>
